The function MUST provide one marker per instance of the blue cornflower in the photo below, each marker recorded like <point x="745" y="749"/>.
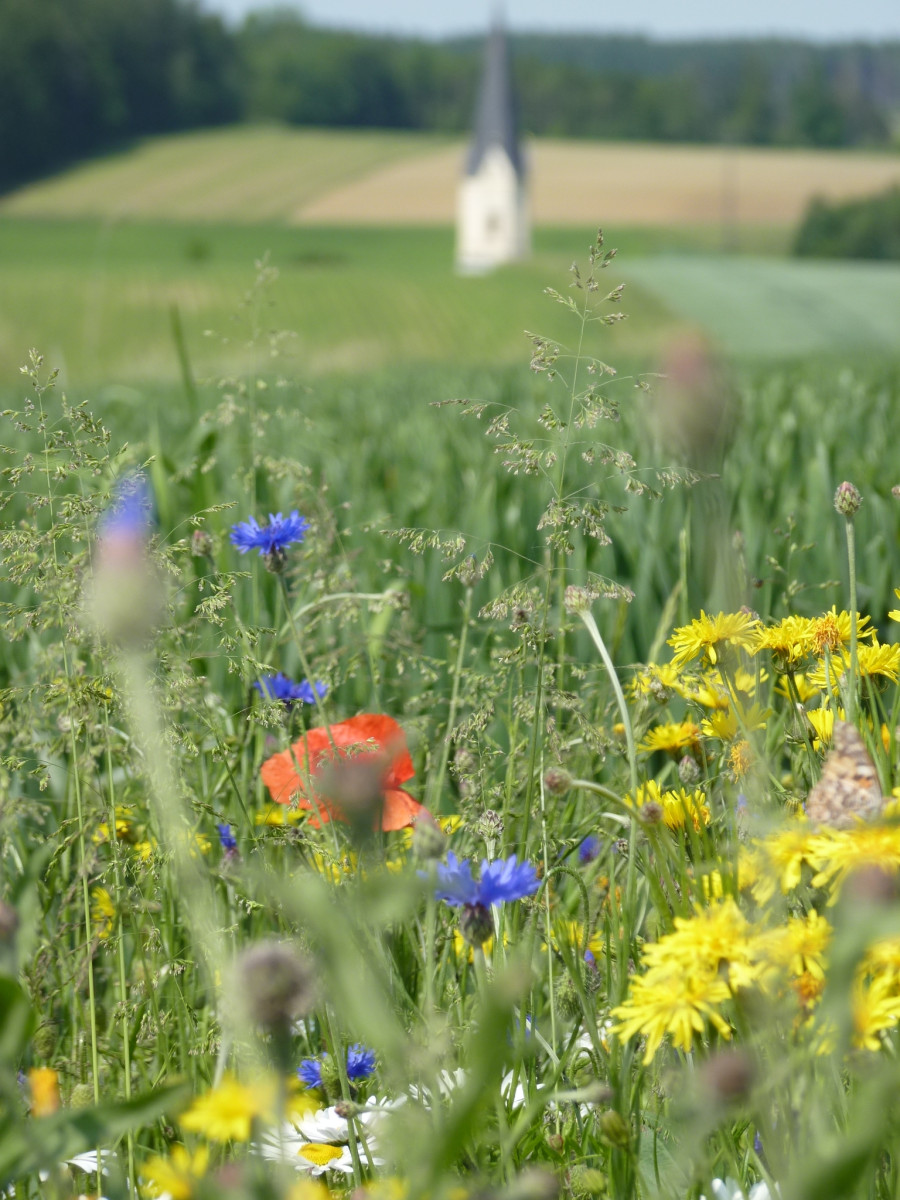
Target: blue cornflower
<point x="130" y="514"/>
<point x="310" y="1072"/>
<point x="360" y="1065"/>
<point x="503" y="879"/>
<point x="226" y="837"/>
<point x="360" y="1062"/>
<point x="589" y="850"/>
<point x="279" y="687"/>
<point x="269" y="539"/>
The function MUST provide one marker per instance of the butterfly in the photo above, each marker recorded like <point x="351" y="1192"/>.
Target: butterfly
<point x="849" y="786"/>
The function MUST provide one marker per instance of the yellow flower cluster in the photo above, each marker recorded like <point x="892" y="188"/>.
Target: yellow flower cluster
<point x="678" y="806"/>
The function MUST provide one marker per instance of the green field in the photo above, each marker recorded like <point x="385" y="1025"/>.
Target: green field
<point x="98" y="299"/>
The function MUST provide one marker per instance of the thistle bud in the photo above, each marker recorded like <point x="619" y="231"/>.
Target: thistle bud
<point x="688" y="770"/>
<point x="651" y="813"/>
<point x="275" y="983"/>
<point x="557" y="781"/>
<point x="847" y="499"/>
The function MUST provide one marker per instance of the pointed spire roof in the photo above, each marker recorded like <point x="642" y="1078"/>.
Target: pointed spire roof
<point x="495" y="120"/>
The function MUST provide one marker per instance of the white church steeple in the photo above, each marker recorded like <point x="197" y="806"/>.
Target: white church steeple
<point x="492" y="216"/>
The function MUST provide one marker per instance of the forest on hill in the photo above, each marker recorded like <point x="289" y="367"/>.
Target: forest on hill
<point x="79" y="77"/>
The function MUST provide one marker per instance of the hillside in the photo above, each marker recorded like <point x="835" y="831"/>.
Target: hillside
<point x="302" y="176"/>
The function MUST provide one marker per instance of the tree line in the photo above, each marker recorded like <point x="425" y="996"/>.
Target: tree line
<point x="79" y="77"/>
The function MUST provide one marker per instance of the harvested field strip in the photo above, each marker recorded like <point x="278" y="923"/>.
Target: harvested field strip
<point x="341" y="177"/>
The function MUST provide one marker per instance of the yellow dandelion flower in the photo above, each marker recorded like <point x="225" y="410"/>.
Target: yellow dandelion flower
<point x="655" y="681"/>
<point x="123" y="827"/>
<point x="789" y="642"/>
<point x="280" y="814"/>
<point x="747" y="682"/>
<point x="876" y="994"/>
<point x="835" y="853"/>
<point x="785" y="854"/>
<point x="712" y="939"/>
<point x="750" y="868"/>
<point x="805" y="690"/>
<point x="713" y="886"/>
<point x="672" y="738"/>
<point x="706" y="634"/>
<point x="103" y="912"/>
<point x="740" y="759"/>
<point x="833" y="630"/>
<point x="228" y="1111"/>
<point x="680" y="807"/>
<point x="798" y="946"/>
<point x="709" y="691"/>
<point x="874" y="660"/>
<point x="822" y="721"/>
<point x="572" y="934"/>
<point x="738" y="718"/>
<point x="177" y="1175"/>
<point x="677" y="1002"/>
<point x="336" y="870"/>
<point x="43" y="1084"/>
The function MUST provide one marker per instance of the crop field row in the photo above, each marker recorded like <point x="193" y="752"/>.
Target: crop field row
<point x="316" y="177"/>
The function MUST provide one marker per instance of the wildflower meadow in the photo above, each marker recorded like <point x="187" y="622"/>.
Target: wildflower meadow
<point x="526" y="825"/>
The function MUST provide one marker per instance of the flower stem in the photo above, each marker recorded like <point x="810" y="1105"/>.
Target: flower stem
<point x="854" y="657"/>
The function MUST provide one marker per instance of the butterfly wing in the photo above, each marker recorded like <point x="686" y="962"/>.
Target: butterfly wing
<point x="848" y="787"/>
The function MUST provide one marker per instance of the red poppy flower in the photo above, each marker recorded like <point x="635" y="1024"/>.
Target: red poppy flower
<point x="369" y="741"/>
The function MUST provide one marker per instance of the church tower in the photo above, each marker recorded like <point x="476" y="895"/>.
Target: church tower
<point x="492" y="216"/>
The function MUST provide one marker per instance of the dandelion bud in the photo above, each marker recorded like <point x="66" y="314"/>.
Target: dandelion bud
<point x="688" y="770"/>
<point x="428" y="840"/>
<point x="614" y="1128"/>
<point x="620" y="845"/>
<point x="576" y="600"/>
<point x="659" y="691"/>
<point x="556" y="1142"/>
<point x="847" y="500"/>
<point x="651" y="813"/>
<point x="355" y="789"/>
<point x="727" y="1076"/>
<point x="347" y="1109"/>
<point x="557" y="781"/>
<point x="275" y="983"/>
